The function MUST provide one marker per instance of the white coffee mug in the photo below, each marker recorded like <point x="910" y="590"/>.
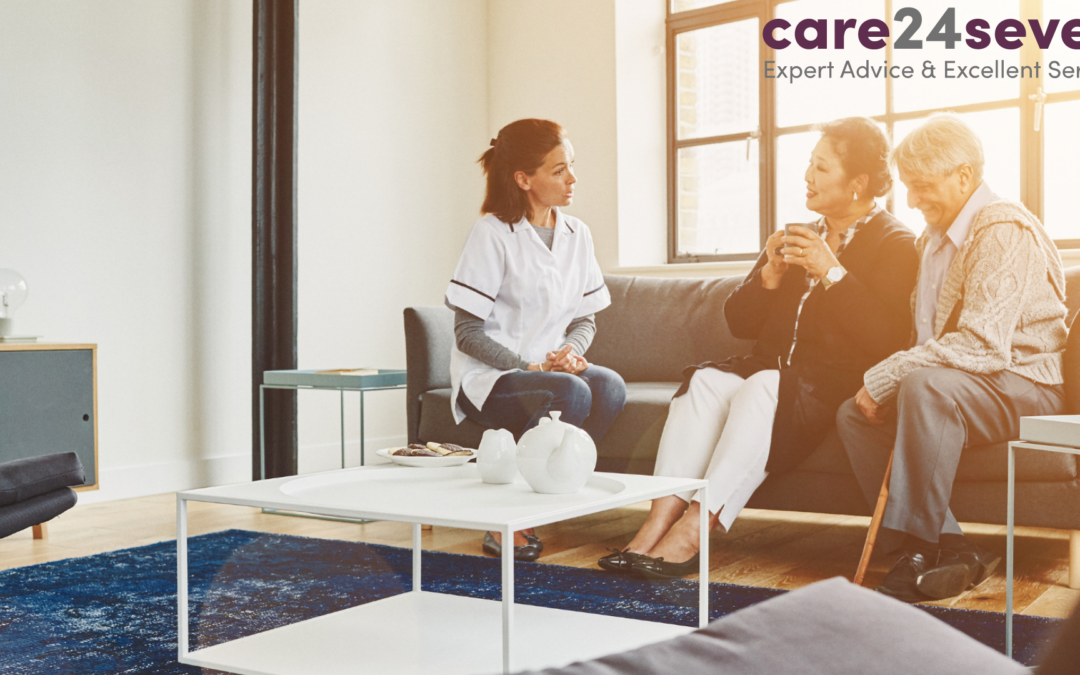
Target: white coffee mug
<point x="497" y="457"/>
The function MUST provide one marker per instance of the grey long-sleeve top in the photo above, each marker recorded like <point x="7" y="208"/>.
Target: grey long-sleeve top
<point x="472" y="340"/>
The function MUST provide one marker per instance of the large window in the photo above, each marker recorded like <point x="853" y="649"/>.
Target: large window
<point x="738" y="143"/>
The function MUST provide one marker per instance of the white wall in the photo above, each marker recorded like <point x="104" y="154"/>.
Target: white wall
<point x="393" y="116"/>
<point x="555" y="59"/>
<point x="642" y="133"/>
<point x="123" y="201"/>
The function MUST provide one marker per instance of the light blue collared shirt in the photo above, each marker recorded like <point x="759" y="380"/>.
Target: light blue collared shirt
<point x="940" y="251"/>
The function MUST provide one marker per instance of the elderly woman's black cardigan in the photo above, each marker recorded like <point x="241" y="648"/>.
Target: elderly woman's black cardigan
<point x="843" y="331"/>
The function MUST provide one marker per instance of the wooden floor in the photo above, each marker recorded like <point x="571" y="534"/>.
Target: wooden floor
<point x="765" y="548"/>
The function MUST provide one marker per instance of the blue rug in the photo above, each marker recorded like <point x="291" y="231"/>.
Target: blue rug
<point x="116" y="612"/>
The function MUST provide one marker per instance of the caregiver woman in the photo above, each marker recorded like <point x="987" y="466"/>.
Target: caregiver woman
<point x="524" y="296"/>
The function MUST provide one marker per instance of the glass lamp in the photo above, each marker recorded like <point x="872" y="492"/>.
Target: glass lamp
<point x="13" y="293"/>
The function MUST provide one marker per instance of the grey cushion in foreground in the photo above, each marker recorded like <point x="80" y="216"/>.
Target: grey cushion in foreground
<point x="22" y="479"/>
<point x="830" y="628"/>
<point x="35" y="511"/>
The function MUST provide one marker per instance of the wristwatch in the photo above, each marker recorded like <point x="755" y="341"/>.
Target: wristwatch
<point x="833" y="275"/>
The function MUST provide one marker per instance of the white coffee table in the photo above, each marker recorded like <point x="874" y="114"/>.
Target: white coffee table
<point x="420" y="631"/>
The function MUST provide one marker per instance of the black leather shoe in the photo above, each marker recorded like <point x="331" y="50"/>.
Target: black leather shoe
<point x="956" y="573"/>
<point x="618" y="561"/>
<point x="658" y="568"/>
<point x="900" y="583"/>
<point x="527" y="553"/>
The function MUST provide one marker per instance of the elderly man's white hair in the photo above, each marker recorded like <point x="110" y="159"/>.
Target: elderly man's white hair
<point x="939" y="146"/>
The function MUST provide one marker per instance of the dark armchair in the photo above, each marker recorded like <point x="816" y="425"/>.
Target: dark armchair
<point x="37" y="489"/>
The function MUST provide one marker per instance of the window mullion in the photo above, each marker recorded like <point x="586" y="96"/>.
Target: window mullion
<point x="767" y="140"/>
<point x="1032" y="153"/>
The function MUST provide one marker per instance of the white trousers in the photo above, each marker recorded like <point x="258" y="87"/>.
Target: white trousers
<point x="721" y="430"/>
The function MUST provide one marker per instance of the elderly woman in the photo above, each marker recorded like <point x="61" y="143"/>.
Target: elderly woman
<point x="524" y="294"/>
<point x="821" y="308"/>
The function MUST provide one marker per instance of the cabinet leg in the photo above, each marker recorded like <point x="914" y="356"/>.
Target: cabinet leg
<point x="42" y="531"/>
<point x="1074" y="559"/>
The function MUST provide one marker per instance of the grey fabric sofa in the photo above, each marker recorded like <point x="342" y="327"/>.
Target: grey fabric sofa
<point x="656" y="327"/>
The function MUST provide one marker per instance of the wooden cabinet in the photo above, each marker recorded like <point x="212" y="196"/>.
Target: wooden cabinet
<point x="48" y="403"/>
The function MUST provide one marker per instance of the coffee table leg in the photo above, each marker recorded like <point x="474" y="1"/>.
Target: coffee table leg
<point x="1011" y="507"/>
<point x="181" y="579"/>
<point x="703" y="570"/>
<point x="508" y="594"/>
<point x="416" y="557"/>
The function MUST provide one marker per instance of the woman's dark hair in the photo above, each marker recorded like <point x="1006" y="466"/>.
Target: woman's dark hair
<point x="520" y="146"/>
<point x="863" y="148"/>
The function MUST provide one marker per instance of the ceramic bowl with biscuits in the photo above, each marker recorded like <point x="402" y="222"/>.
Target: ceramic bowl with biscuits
<point x="428" y="455"/>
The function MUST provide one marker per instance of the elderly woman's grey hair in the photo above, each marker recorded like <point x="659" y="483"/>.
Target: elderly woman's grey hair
<point x="939" y="146"/>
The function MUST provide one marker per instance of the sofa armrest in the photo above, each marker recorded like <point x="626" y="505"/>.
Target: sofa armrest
<point x="1072" y="368"/>
<point x="429" y="335"/>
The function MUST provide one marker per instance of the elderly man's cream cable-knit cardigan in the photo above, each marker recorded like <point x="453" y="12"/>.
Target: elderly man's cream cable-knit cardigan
<point x="1010" y="277"/>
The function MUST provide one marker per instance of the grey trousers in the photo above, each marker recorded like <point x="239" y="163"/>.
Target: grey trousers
<point x="938" y="413"/>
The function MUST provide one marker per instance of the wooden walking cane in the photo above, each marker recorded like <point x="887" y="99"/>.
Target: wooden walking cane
<point x="875" y="525"/>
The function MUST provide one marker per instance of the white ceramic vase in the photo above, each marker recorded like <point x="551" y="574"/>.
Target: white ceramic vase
<point x="497" y="457"/>
<point x="555" y="457"/>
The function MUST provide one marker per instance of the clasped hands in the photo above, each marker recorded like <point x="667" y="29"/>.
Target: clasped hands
<point x="563" y="361"/>
<point x="803" y="247"/>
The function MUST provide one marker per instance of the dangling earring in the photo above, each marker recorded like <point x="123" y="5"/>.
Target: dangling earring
<point x="855" y="196"/>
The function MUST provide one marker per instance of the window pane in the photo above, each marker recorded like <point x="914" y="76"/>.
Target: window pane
<point x="717" y="83"/>
<point x="1063" y="10"/>
<point x="999" y="132"/>
<point x="684" y="5"/>
<point x="919" y="93"/>
<point x="1062" y="146"/>
<point x="718" y="200"/>
<point x="805" y="101"/>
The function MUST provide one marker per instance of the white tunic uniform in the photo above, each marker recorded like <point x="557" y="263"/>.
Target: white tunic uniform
<point x="526" y="294"/>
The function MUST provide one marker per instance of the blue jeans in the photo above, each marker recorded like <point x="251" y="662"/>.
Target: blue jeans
<point x="591" y="400"/>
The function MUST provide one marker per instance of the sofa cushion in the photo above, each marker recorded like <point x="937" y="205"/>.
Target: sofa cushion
<point x="829" y="628"/>
<point x="656" y="327"/>
<point x="22" y="479"/>
<point x="630" y="445"/>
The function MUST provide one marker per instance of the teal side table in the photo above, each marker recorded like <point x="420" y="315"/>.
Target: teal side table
<point x="333" y="381"/>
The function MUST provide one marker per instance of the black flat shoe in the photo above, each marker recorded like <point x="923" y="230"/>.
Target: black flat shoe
<point x="527" y="553"/>
<point x="956" y="573"/>
<point x="658" y="568"/>
<point x="618" y="561"/>
<point x="535" y="541"/>
<point x="900" y="583"/>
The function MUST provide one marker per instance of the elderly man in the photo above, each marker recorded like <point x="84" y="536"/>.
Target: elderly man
<point x="989" y="316"/>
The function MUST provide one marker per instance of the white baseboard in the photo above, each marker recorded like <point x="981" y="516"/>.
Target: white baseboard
<point x="142" y="480"/>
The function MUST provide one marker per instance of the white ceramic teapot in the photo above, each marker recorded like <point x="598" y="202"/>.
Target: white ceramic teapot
<point x="496" y="457"/>
<point x="555" y="457"/>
